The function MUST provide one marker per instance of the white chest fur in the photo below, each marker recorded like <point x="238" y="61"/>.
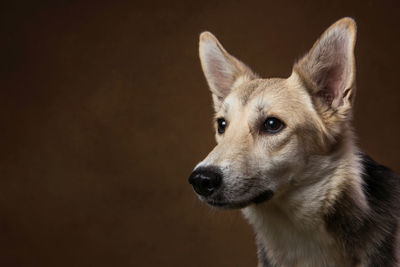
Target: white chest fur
<point x="288" y="243"/>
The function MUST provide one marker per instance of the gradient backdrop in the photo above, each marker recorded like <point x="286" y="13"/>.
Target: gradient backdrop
<point x="104" y="111"/>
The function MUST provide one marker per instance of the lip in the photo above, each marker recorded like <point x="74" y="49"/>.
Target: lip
<point x="228" y="205"/>
<point x="264" y="196"/>
<point x="261" y="198"/>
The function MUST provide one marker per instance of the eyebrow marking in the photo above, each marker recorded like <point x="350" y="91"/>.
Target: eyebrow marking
<point x="260" y="106"/>
<point x="247" y="92"/>
<point x="225" y="107"/>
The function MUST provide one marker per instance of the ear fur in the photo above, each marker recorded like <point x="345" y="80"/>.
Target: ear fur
<point x="328" y="70"/>
<point x="221" y="69"/>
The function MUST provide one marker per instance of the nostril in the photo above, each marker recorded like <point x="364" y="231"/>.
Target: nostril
<point x="205" y="183"/>
<point x="208" y="186"/>
<point x="215" y="182"/>
<point x="206" y="180"/>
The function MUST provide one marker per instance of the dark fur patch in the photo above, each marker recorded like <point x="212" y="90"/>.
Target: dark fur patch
<point x="267" y="195"/>
<point x="369" y="235"/>
<point x="262" y="255"/>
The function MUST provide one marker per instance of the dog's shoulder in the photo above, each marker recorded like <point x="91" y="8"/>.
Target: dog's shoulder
<point x="381" y="185"/>
<point x="369" y="235"/>
<point x="382" y="188"/>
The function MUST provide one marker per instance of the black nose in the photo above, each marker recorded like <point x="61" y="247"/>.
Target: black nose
<point x="206" y="180"/>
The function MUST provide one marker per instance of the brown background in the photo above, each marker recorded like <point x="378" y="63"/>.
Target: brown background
<point x="104" y="112"/>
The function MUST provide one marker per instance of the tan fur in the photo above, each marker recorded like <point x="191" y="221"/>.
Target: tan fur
<point x="307" y="165"/>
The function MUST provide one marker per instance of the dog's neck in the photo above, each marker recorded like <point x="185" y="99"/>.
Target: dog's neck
<point x="291" y="228"/>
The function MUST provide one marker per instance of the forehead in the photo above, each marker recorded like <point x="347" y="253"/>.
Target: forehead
<point x="270" y="92"/>
<point x="279" y="97"/>
<point x="247" y="91"/>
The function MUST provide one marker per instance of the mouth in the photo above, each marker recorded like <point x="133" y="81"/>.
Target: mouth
<point x="261" y="198"/>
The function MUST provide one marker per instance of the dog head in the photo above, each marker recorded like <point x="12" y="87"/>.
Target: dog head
<point x="269" y="132"/>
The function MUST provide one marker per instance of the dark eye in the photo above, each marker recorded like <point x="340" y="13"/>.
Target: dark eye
<point x="221" y="125"/>
<point x="273" y="125"/>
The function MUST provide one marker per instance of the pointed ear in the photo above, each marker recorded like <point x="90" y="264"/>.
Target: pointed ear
<point x="328" y="70"/>
<point x="220" y="68"/>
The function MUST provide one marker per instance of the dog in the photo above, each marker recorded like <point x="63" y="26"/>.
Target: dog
<point x="286" y="156"/>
